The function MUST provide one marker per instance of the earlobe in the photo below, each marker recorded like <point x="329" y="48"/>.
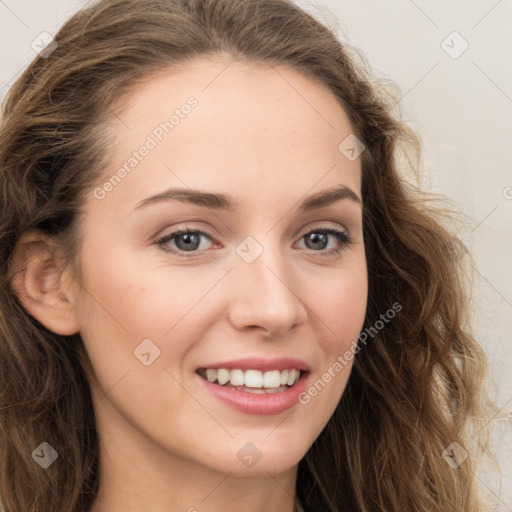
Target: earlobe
<point x="39" y="281"/>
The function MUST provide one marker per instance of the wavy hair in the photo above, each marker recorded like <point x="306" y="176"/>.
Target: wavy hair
<point x="415" y="387"/>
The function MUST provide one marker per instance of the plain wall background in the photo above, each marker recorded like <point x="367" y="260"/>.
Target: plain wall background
<point x="462" y="109"/>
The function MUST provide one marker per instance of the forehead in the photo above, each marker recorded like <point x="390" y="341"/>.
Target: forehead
<point x="215" y="122"/>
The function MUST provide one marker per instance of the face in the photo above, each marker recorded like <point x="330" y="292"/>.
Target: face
<point x="231" y="247"/>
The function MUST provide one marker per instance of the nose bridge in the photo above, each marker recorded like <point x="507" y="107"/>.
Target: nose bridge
<point x="264" y="294"/>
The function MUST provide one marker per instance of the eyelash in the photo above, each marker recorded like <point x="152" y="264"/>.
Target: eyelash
<point x="343" y="237"/>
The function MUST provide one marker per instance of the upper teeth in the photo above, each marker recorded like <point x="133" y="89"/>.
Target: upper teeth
<point x="253" y="378"/>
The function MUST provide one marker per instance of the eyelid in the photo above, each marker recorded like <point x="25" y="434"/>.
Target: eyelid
<point x="320" y="226"/>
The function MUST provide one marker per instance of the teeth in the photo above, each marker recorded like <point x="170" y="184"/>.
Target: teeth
<point x="257" y="391"/>
<point x="272" y="379"/>
<point x="222" y="375"/>
<point x="237" y="378"/>
<point x="259" y="381"/>
<point x="253" y="379"/>
<point x="292" y="377"/>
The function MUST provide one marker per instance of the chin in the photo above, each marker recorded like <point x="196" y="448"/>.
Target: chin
<point x="261" y="453"/>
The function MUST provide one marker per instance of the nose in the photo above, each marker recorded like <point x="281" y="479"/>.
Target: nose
<point x="263" y="296"/>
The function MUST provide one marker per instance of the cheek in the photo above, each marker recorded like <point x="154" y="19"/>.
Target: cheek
<point x="128" y="301"/>
<point x="341" y="308"/>
<point x="139" y="297"/>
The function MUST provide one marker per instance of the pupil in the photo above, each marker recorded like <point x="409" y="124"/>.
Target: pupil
<point x="318" y="238"/>
<point x="190" y="241"/>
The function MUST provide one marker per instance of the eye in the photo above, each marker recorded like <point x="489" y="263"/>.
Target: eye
<point x="183" y="240"/>
<point x="318" y="240"/>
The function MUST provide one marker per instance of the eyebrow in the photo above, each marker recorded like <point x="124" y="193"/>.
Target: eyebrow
<point x="229" y="203"/>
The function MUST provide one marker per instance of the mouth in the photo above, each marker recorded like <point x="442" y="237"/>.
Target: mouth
<point x="255" y="385"/>
<point x="253" y="380"/>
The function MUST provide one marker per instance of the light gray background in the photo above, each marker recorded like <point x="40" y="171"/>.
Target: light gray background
<point x="461" y="107"/>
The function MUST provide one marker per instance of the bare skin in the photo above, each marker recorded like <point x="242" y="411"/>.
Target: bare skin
<point x="166" y="442"/>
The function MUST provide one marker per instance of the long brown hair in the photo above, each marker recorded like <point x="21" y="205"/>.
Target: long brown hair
<point x="415" y="385"/>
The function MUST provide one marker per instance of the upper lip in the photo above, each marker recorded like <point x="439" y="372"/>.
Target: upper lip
<point x="255" y="363"/>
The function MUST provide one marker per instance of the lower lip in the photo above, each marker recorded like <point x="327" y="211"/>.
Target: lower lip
<point x="252" y="403"/>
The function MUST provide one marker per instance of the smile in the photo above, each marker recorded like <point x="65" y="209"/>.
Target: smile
<point x="251" y="380"/>
<point x="255" y="385"/>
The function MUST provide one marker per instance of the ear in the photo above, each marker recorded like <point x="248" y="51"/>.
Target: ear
<point x="42" y="284"/>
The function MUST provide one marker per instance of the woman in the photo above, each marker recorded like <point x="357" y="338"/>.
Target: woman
<point x="218" y="291"/>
